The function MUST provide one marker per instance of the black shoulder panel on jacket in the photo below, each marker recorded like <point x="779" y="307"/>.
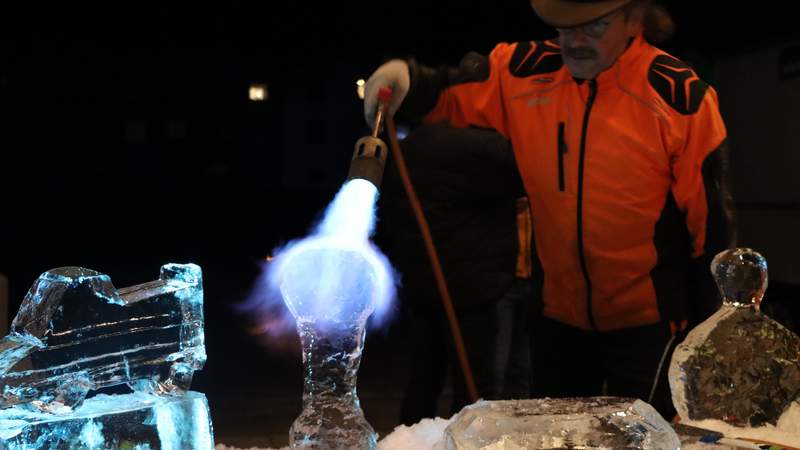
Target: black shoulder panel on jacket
<point x="677" y="84"/>
<point x="535" y="58"/>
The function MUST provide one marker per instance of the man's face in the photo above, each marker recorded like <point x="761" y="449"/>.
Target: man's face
<point x="592" y="48"/>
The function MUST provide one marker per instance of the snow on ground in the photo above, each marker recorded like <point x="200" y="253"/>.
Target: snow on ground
<point x="425" y="435"/>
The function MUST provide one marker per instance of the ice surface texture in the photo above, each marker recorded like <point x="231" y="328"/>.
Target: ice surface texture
<point x="136" y="421"/>
<point x="332" y="338"/>
<point x="739" y="366"/>
<point x="332" y="417"/>
<point x="332" y="281"/>
<point x="75" y="332"/>
<point x="596" y="423"/>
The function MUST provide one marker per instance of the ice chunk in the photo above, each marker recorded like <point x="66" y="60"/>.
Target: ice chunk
<point x="739" y="366"/>
<point x="331" y="286"/>
<point x="332" y="338"/>
<point x="75" y="332"/>
<point x="595" y="422"/>
<point x="137" y="421"/>
<point x="428" y="435"/>
<point x="331" y="282"/>
<point x="332" y="417"/>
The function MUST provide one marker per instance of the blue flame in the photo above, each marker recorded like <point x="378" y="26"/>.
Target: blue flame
<point x="335" y="275"/>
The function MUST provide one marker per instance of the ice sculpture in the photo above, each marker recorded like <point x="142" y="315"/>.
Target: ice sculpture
<point x="331" y="282"/>
<point x="332" y="344"/>
<point x="75" y="333"/>
<point x="595" y="422"/>
<point x="739" y="366"/>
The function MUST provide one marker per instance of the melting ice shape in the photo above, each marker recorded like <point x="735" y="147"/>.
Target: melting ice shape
<point x="331" y="282"/>
<point x="75" y="332"/>
<point x="739" y="366"/>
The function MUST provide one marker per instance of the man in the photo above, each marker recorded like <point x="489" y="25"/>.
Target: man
<point x="620" y="150"/>
<point x="470" y="190"/>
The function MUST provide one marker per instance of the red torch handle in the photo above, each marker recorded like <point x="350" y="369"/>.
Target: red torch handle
<point x="384" y="97"/>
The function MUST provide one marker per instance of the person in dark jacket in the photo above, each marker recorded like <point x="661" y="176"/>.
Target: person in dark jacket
<point x="470" y="191"/>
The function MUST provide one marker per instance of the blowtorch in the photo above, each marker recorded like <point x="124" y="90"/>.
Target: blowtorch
<point x="369" y="160"/>
<point x="369" y="156"/>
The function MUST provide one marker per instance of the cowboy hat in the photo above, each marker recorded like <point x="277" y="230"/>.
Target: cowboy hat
<point x="572" y="13"/>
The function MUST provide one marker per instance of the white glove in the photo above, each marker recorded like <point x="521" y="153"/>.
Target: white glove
<point x="393" y="74"/>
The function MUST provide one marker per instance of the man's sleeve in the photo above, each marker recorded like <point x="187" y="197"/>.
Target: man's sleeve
<point x="700" y="190"/>
<point x="470" y="94"/>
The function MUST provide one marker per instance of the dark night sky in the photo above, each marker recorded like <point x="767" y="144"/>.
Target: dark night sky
<point x="80" y="81"/>
<point x="128" y="103"/>
<point x="125" y="121"/>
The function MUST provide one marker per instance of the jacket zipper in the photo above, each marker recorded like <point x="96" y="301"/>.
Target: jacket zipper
<point x="562" y="148"/>
<point x="581" y="251"/>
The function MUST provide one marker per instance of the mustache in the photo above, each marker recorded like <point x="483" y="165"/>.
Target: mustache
<point x="580" y="52"/>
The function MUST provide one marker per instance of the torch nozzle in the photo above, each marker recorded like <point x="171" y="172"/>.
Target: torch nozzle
<point x="369" y="157"/>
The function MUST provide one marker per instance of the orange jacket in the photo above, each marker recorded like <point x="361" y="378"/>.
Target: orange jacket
<point x="610" y="165"/>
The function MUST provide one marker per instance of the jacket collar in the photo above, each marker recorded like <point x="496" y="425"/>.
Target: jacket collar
<point x="625" y="62"/>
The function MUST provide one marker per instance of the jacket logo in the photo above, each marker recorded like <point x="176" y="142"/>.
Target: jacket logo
<point x="537" y="101"/>
<point x="677" y="84"/>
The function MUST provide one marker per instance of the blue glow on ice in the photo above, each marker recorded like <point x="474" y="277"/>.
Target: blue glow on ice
<point x="202" y="433"/>
<point x="336" y="274"/>
<point x="138" y="421"/>
<point x="92" y="434"/>
<point x="167" y="433"/>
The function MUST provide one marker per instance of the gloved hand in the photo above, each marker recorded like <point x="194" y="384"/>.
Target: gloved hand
<point x="393" y="74"/>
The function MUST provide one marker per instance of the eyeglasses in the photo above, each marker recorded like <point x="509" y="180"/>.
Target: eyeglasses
<point x="596" y="28"/>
